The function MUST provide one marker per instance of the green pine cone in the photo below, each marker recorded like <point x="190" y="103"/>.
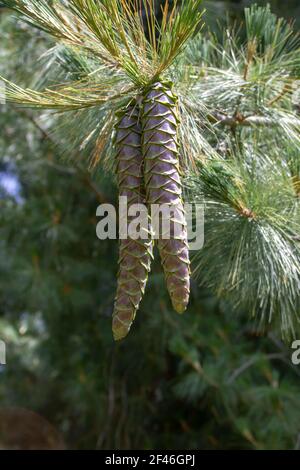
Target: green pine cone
<point x="135" y="255"/>
<point x="163" y="186"/>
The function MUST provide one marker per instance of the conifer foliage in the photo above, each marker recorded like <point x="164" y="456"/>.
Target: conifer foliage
<point x="222" y="107"/>
<point x="118" y="28"/>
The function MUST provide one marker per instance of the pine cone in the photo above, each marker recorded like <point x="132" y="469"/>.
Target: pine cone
<point x="135" y="255"/>
<point x="163" y="186"/>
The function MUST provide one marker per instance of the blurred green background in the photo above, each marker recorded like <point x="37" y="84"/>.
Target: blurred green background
<point x="202" y="381"/>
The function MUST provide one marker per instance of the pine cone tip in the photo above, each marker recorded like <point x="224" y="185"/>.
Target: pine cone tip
<point x="120" y="330"/>
<point x="179" y="307"/>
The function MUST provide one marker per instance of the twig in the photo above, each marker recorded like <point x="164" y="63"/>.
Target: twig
<point x="253" y="360"/>
<point x="250" y="363"/>
<point x="284" y="91"/>
<point x="240" y="120"/>
<point x="84" y="174"/>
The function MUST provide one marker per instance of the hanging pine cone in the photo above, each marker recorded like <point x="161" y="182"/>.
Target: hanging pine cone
<point x="163" y="186"/>
<point x="135" y="255"/>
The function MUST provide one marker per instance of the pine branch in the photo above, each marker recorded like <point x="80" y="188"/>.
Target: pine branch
<point x="261" y="121"/>
<point x="86" y="178"/>
<point x="251" y="235"/>
<point x="71" y="96"/>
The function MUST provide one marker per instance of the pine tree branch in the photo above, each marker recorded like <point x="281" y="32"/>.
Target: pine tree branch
<point x="261" y="121"/>
<point x="253" y="360"/>
<point x="84" y="174"/>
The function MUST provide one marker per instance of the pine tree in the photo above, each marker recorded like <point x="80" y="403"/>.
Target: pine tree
<point x="204" y="380"/>
<point x="237" y="137"/>
<point x="123" y="45"/>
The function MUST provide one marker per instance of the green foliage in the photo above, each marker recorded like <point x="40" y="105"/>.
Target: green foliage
<point x="112" y="31"/>
<point x="205" y="380"/>
<point x="246" y="87"/>
<point x="251" y="250"/>
<point x="248" y="112"/>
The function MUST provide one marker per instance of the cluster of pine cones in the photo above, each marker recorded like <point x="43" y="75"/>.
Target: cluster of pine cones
<point x="148" y="172"/>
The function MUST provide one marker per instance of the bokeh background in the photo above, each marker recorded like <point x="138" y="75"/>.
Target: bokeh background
<point x="205" y="380"/>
